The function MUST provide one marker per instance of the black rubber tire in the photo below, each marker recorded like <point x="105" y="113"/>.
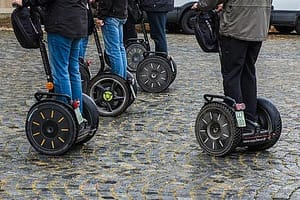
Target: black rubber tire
<point x="284" y="29"/>
<point x="154" y="74"/>
<point x="50" y="127"/>
<point x="216" y="129"/>
<point x="297" y="27"/>
<point x="173" y="69"/>
<point x="112" y="87"/>
<point x="91" y="114"/>
<point x="85" y="76"/>
<point x="186" y="22"/>
<point x="269" y="119"/>
<point x="134" y="52"/>
<point x="133" y="83"/>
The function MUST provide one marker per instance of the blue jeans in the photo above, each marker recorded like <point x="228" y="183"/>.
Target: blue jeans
<point x="82" y="47"/>
<point x="157" y="22"/>
<point x="64" y="56"/>
<point x="112" y="32"/>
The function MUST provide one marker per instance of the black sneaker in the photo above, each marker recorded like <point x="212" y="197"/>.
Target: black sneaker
<point x="253" y="128"/>
<point x="83" y="125"/>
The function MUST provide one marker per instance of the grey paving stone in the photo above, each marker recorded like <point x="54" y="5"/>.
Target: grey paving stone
<point x="150" y="151"/>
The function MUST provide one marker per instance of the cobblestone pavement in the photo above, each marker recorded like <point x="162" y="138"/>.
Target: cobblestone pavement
<point x="150" y="151"/>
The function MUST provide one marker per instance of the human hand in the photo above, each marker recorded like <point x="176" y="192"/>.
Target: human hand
<point x="99" y="23"/>
<point x="219" y="7"/>
<point x="195" y="6"/>
<point x="16" y="2"/>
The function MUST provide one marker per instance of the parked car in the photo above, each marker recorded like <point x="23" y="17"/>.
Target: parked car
<point x="180" y="17"/>
<point x="285" y="15"/>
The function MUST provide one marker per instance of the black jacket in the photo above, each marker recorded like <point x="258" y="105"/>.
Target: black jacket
<point x="65" y="17"/>
<point x="113" y="8"/>
<point x="157" y="5"/>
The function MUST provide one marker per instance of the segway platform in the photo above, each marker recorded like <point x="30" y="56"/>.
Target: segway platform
<point x="220" y="126"/>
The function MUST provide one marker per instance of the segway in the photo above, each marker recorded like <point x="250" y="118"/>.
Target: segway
<point x="136" y="47"/>
<point x="156" y="72"/>
<point x="111" y="93"/>
<point x="219" y="126"/>
<point x="52" y="126"/>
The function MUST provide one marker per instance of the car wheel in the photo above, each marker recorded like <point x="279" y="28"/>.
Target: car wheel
<point x="298" y="26"/>
<point x="187" y="23"/>
<point x="284" y="29"/>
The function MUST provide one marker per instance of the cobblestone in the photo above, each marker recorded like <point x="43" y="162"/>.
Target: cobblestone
<point x="150" y="151"/>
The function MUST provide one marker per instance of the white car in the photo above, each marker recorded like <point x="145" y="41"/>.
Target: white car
<point x="181" y="16"/>
<point x="286" y="15"/>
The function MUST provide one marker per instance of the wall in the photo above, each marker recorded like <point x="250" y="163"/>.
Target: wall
<point x="5" y="10"/>
<point x="5" y="6"/>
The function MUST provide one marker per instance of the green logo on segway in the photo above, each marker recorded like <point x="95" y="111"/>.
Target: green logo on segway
<point x="107" y="95"/>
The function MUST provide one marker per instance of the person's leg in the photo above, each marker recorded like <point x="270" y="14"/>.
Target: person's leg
<point x="63" y="56"/>
<point x="233" y="53"/>
<point x="75" y="77"/>
<point x="83" y="45"/>
<point x="59" y="51"/>
<point x="157" y="21"/>
<point x="122" y="49"/>
<point x="248" y="81"/>
<point x="111" y="37"/>
<point x="129" y="30"/>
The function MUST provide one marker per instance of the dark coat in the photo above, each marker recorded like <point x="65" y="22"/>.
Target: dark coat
<point x="113" y="8"/>
<point x="65" y="17"/>
<point x="157" y="5"/>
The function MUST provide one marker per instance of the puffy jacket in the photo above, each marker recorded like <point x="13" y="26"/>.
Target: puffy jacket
<point x="113" y="8"/>
<point x="242" y="19"/>
<point x="157" y="5"/>
<point x="65" y="17"/>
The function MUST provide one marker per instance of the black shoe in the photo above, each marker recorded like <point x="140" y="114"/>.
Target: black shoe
<point x="83" y="125"/>
<point x="253" y="128"/>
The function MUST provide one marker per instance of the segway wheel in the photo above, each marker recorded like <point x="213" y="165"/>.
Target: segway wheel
<point x="134" y="53"/>
<point x="216" y="130"/>
<point x="110" y="93"/>
<point x="173" y="70"/>
<point x="85" y="76"/>
<point x="90" y="113"/>
<point x="132" y="88"/>
<point x="51" y="127"/>
<point x="154" y="74"/>
<point x="269" y="119"/>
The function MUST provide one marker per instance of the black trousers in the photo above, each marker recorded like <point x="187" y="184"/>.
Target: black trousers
<point x="238" y="58"/>
<point x="129" y="30"/>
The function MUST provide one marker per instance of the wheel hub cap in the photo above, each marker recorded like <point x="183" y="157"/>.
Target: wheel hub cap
<point x="107" y="95"/>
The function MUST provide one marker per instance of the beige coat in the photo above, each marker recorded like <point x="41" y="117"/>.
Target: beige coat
<point x="242" y="19"/>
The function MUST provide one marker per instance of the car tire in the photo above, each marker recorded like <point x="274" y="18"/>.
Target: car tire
<point x="186" y="22"/>
<point x="297" y="27"/>
<point x="284" y="29"/>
